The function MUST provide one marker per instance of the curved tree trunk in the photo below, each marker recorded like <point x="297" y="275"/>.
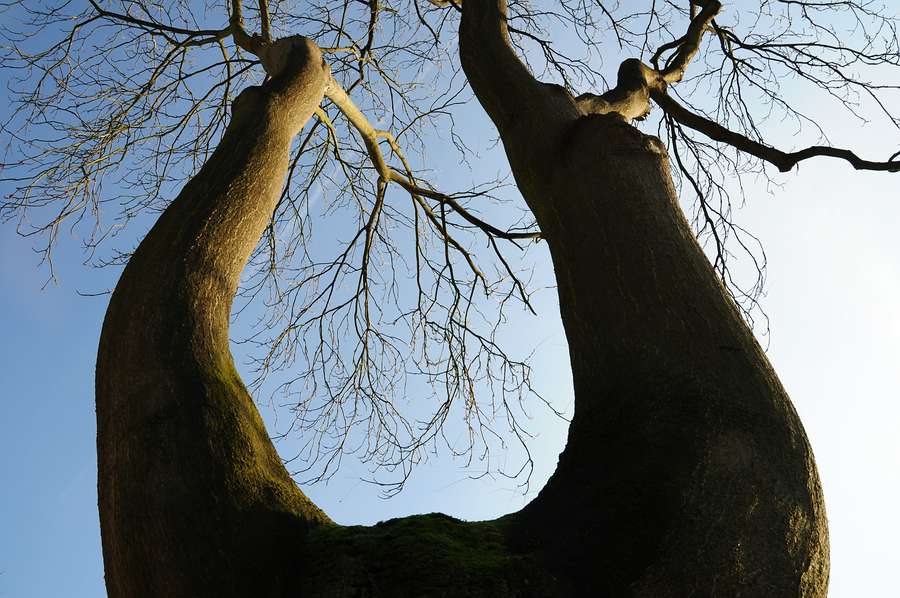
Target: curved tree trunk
<point x="194" y="500"/>
<point x="687" y="471"/>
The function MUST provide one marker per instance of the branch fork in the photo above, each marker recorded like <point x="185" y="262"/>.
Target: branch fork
<point x="637" y="84"/>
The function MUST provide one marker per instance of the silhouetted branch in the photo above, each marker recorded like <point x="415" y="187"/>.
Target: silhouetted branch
<point x="784" y="161"/>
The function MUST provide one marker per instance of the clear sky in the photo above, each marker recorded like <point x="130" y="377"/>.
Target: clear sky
<point x="833" y="289"/>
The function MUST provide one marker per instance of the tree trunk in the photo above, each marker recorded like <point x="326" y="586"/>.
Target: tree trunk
<point x="194" y="500"/>
<point x="687" y="471"/>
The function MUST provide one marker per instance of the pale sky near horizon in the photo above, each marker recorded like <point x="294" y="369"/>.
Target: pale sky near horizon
<point x="833" y="299"/>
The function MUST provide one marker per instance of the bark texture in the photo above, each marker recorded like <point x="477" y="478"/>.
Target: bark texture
<point x="194" y="501"/>
<point x="687" y="471"/>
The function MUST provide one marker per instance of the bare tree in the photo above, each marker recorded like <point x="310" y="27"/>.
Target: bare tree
<point x="687" y="469"/>
<point x="343" y="320"/>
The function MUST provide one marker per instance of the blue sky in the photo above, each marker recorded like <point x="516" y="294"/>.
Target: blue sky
<point x="833" y="290"/>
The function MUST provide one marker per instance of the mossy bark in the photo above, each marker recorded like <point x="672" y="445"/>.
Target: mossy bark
<point x="424" y="555"/>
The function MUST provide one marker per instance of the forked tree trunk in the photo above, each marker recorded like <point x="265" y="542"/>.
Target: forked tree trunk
<point x="687" y="471"/>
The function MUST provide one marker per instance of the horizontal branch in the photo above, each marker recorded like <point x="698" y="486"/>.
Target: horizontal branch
<point x="784" y="161"/>
<point x="215" y="34"/>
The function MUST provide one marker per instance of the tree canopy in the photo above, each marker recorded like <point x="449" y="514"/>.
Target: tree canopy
<point x="115" y="104"/>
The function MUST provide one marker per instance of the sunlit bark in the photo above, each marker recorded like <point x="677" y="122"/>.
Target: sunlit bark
<point x="194" y="500"/>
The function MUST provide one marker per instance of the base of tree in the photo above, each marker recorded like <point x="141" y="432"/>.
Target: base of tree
<point x="423" y="555"/>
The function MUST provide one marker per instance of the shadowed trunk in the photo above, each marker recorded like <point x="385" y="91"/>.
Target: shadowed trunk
<point x="687" y="471"/>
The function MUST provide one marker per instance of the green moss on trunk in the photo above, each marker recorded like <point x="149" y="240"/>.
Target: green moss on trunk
<point x="423" y="555"/>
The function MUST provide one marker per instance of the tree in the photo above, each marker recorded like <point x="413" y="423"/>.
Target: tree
<point x="686" y="468"/>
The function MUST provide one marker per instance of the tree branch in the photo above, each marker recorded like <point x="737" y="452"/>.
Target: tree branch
<point x="501" y="81"/>
<point x="251" y="43"/>
<point x="213" y="34"/>
<point x="784" y="161"/>
<point x="265" y="21"/>
<point x="690" y="45"/>
<point x="635" y="80"/>
<point x="370" y="137"/>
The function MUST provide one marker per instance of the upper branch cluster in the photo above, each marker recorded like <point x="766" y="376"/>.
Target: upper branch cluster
<point x="114" y="104"/>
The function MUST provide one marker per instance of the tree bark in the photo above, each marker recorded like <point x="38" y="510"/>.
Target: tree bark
<point x="687" y="470"/>
<point x="194" y="500"/>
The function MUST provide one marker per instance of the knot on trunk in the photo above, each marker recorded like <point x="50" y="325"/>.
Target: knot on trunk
<point x="634" y="75"/>
<point x="630" y="98"/>
<point x="276" y="56"/>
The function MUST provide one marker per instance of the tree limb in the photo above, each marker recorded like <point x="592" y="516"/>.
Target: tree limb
<point x="690" y="45"/>
<point x="784" y="161"/>
<point x="499" y="78"/>
<point x="635" y="80"/>
<point x="264" y="20"/>
<point x="213" y="34"/>
<point x="370" y="136"/>
<point x="251" y="43"/>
